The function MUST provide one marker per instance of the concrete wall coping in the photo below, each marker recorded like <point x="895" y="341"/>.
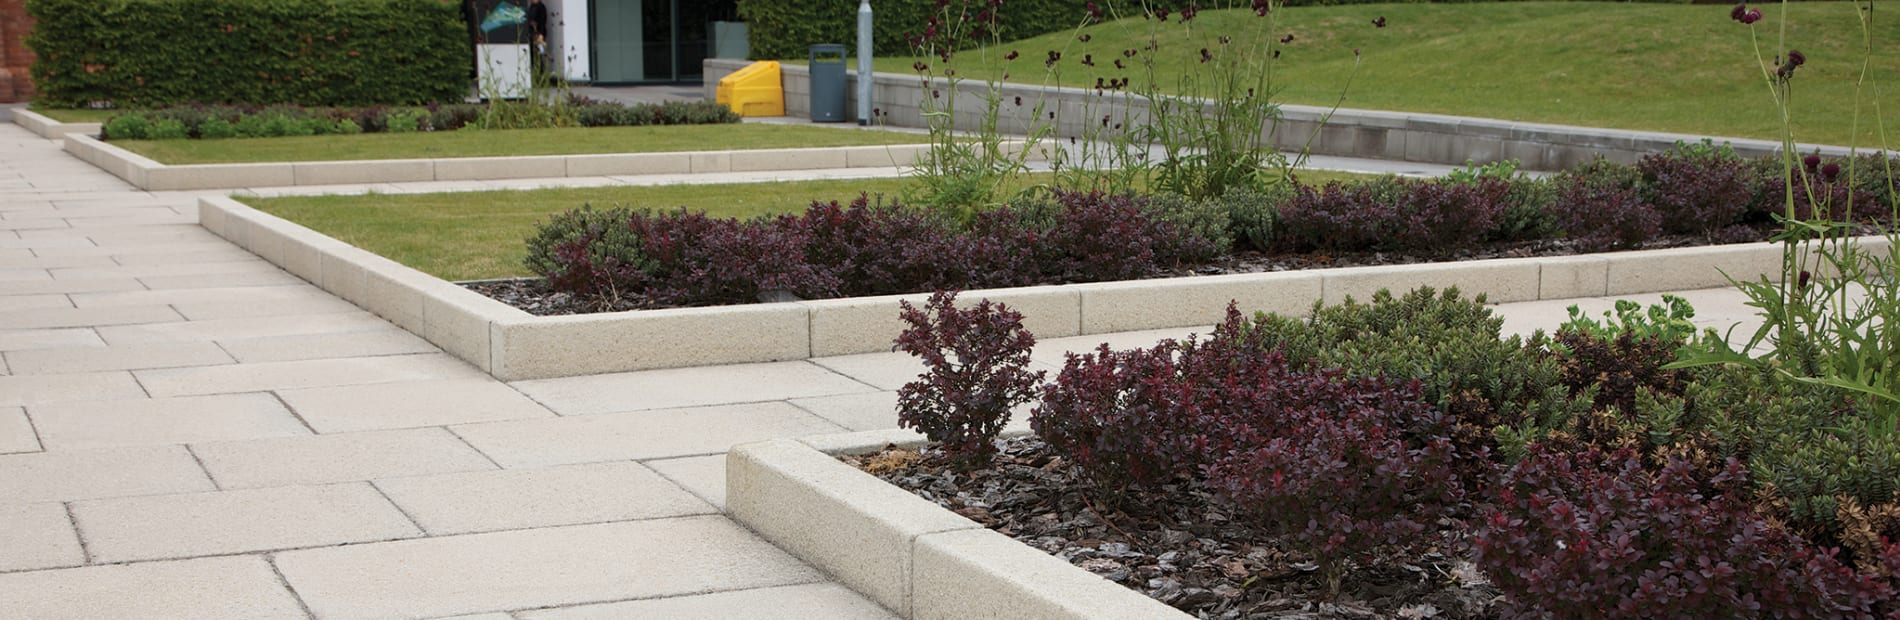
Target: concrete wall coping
<point x="151" y="175"/>
<point x="512" y="345"/>
<point x="49" y="128"/>
<point x="1411" y="136"/>
<point x="908" y="554"/>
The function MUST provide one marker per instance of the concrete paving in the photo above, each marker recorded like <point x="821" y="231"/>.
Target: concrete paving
<point x="188" y="433"/>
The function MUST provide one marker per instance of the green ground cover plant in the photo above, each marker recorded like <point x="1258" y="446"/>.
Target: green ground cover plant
<point x="508" y="142"/>
<point x="1656" y="67"/>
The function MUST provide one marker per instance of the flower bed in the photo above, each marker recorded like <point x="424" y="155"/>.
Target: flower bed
<point x="1332" y="465"/>
<point x="617" y="259"/>
<point x="233" y="121"/>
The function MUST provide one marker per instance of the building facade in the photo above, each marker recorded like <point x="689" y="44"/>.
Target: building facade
<point x="16" y="81"/>
<point x="641" y="41"/>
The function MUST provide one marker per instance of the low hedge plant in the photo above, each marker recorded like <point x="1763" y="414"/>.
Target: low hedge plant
<point x="210" y="122"/>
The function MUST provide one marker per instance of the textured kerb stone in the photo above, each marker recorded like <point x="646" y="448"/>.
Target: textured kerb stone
<point x="848" y="523"/>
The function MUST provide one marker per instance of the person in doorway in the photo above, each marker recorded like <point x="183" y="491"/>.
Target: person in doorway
<point x="538" y="34"/>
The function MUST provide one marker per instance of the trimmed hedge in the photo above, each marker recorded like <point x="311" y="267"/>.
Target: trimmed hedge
<point x="154" y="53"/>
<point x="787" y="30"/>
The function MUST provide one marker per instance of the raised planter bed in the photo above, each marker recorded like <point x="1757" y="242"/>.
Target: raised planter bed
<point x="915" y="558"/>
<point x="147" y="174"/>
<point x="47" y="127"/>
<point x="512" y="344"/>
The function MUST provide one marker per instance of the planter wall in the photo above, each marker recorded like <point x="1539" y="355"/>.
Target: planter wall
<point x="511" y="344"/>
<point x="1429" y="138"/>
<point x="51" y="129"/>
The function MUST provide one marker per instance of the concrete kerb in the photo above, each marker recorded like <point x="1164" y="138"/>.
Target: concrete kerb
<point x="513" y="345"/>
<point x="47" y="127"/>
<point x="910" y="555"/>
<point x="147" y="174"/>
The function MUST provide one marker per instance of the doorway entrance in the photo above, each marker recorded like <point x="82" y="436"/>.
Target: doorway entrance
<point x="654" y="41"/>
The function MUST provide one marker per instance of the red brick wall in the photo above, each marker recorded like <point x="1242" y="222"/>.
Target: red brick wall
<point x="16" y="84"/>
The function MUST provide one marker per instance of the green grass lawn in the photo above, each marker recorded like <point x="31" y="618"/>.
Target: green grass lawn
<point x="482" y="143"/>
<point x="479" y="235"/>
<point x="1659" y="67"/>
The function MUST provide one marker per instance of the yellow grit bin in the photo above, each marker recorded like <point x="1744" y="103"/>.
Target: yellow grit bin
<point x="754" y="90"/>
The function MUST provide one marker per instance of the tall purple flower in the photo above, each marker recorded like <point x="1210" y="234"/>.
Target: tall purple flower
<point x="1379" y="22"/>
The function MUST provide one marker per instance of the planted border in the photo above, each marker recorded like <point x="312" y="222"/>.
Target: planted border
<point x="50" y="128"/>
<point x="511" y="344"/>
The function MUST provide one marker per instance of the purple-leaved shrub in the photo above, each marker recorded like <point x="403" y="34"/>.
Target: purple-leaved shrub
<point x="976" y="369"/>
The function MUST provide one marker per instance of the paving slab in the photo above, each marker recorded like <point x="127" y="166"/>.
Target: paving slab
<point x="294" y="291"/>
<point x="41" y="389"/>
<point x="110" y="472"/>
<point x="159" y="421"/>
<point x="220" y="280"/>
<point x="687" y="387"/>
<point x="537" y="568"/>
<point x="30" y="302"/>
<point x="859" y="412"/>
<point x="37" y="536"/>
<point x="639" y="435"/>
<point x="305" y="373"/>
<point x="228" y="522"/>
<point x="123" y="357"/>
<point x="86" y="317"/>
<point x="257" y="327"/>
<point x="233" y="588"/>
<point x="23" y="339"/>
<point x="388" y="341"/>
<point x="886" y="371"/>
<point x="16" y="432"/>
<point x="703" y="476"/>
<point x="321" y="459"/>
<point x="410" y="404"/>
<point x="143" y="269"/>
<point x="527" y="498"/>
<point x="817" y="600"/>
<point x="206" y="311"/>
<point x="60" y="287"/>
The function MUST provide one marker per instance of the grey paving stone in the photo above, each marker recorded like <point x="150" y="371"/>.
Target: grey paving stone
<point x="887" y="371"/>
<point x="22" y="339"/>
<point x="537" y="568"/>
<point x="220" y="280"/>
<point x="703" y="476"/>
<point x="125" y="357"/>
<point x="260" y="327"/>
<point x="30" y="302"/>
<point x="16" y="432"/>
<point x="157" y="421"/>
<point x="86" y="317"/>
<point x="859" y="412"/>
<point x="240" y="295"/>
<point x="321" y="459"/>
<point x="144" y="269"/>
<point x="640" y="435"/>
<point x="234" y="588"/>
<point x="205" y="311"/>
<point x="388" y="341"/>
<point x="110" y="472"/>
<point x="301" y="374"/>
<point x="60" y="287"/>
<point x="523" y="498"/>
<point x="40" y="389"/>
<point x="410" y="404"/>
<point x="37" y="536"/>
<point x="228" y="522"/>
<point x="687" y="387"/>
<point x="817" y="600"/>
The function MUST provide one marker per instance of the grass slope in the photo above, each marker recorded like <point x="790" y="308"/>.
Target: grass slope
<point x="1660" y="67"/>
<point x="499" y="143"/>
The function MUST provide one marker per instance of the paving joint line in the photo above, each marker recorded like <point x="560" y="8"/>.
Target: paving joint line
<point x="286" y="404"/>
<point x="85" y="550"/>
<point x="215" y="485"/>
<point x="399" y="509"/>
<point x="471" y="445"/>
<point x="813" y="361"/>
<point x="270" y="559"/>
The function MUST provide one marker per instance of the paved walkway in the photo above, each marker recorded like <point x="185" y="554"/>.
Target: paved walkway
<point x="187" y="431"/>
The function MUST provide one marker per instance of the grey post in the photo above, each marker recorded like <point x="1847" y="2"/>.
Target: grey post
<point x="864" y="62"/>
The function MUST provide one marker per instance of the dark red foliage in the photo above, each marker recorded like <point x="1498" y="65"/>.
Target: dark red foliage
<point x="1393" y="214"/>
<point x="693" y="259"/>
<point x="1695" y="194"/>
<point x="1097" y="237"/>
<point x="883" y="249"/>
<point x="1595" y="536"/>
<point x="1618" y="367"/>
<point x="1599" y="216"/>
<point x="976" y="369"/>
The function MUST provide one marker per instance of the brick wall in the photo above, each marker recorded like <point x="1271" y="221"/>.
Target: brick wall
<point x="16" y="84"/>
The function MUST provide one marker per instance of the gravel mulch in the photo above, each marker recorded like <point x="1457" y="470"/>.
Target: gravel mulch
<point x="1179" y="547"/>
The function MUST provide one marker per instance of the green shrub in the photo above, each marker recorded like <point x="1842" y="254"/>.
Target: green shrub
<point x="169" y="129"/>
<point x="587" y="250"/>
<point x="1251" y="215"/>
<point x="786" y="30"/>
<point x="346" y="127"/>
<point x="129" y="126"/>
<point x="402" y="121"/>
<point x="150" y="53"/>
<point x="217" y="129"/>
<point x="1204" y="220"/>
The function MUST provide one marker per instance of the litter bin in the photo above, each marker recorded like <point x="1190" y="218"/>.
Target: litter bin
<point x="827" y="83"/>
